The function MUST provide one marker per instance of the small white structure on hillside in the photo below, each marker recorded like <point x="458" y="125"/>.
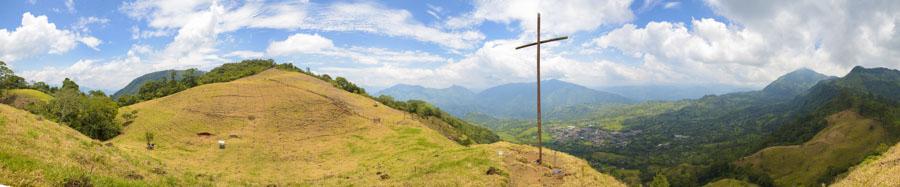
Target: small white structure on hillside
<point x="221" y="144"/>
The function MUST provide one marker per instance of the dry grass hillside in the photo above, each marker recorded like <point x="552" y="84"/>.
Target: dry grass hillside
<point x="37" y="152"/>
<point x="883" y="171"/>
<point x="287" y="128"/>
<point x="847" y="138"/>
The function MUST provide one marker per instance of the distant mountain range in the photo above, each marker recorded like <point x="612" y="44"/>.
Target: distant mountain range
<point x="135" y="85"/>
<point x="515" y="100"/>
<point x="672" y="92"/>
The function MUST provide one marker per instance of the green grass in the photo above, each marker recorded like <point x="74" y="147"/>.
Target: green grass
<point x="41" y="96"/>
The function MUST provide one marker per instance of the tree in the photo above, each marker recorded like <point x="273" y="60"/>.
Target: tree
<point x="9" y="80"/>
<point x="92" y="115"/>
<point x="42" y="86"/>
<point x="659" y="181"/>
<point x="189" y="79"/>
<point x="68" y="84"/>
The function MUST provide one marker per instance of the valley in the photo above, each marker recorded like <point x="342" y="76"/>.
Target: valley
<point x="697" y="141"/>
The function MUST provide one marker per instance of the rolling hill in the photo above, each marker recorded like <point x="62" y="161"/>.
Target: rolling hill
<point x="23" y="98"/>
<point x="135" y="85"/>
<point x="37" y="152"/>
<point x="287" y="128"/>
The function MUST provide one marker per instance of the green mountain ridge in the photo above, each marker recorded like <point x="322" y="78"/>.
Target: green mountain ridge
<point x="513" y="100"/>
<point x="135" y="85"/>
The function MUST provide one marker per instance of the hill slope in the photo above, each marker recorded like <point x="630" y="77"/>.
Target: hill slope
<point x="135" y="85"/>
<point x="847" y="139"/>
<point x="22" y="98"/>
<point x="37" y="152"/>
<point x="292" y="129"/>
<point x="882" y="171"/>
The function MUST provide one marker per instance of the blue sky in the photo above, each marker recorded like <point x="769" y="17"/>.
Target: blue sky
<point x="105" y="44"/>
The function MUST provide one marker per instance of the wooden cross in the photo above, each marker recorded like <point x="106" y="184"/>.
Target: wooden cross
<point x="538" y="43"/>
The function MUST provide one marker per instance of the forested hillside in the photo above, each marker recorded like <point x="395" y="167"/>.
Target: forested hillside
<point x="693" y="142"/>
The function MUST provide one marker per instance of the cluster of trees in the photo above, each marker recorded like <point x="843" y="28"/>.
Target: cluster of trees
<point x="93" y="114"/>
<point x="458" y="130"/>
<point x="9" y="80"/>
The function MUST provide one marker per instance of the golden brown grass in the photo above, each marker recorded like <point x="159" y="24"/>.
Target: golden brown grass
<point x="884" y="171"/>
<point x="848" y="138"/>
<point x="287" y="128"/>
<point x="37" y="152"/>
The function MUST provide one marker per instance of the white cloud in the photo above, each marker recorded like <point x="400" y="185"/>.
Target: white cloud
<point x="38" y="36"/>
<point x="245" y="54"/>
<point x="709" y="41"/>
<point x="83" y="23"/>
<point x="496" y="62"/>
<point x="373" y="18"/>
<point x="70" y="5"/>
<point x="670" y="5"/>
<point x="300" y="43"/>
<point x="847" y="32"/>
<point x="90" y="41"/>
<point x="365" y="17"/>
<point x="96" y="74"/>
<point x="560" y="17"/>
<point x="766" y="40"/>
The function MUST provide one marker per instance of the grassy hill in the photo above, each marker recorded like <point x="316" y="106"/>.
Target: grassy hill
<point x="847" y="139"/>
<point x="288" y="128"/>
<point x="37" y="152"/>
<point x="881" y="170"/>
<point x="21" y="98"/>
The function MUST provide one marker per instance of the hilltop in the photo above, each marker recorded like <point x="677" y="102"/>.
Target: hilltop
<point x="289" y="128"/>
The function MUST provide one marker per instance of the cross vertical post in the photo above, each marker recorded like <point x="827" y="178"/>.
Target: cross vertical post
<point x="538" y="43"/>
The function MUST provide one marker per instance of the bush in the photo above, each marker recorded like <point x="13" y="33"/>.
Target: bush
<point x="92" y="115"/>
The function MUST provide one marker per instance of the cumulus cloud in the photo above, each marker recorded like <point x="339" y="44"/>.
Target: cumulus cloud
<point x="102" y="74"/>
<point x="314" y="44"/>
<point x="565" y="17"/>
<point x="373" y="18"/>
<point x="300" y="43"/>
<point x="365" y="17"/>
<point x="708" y="41"/>
<point x="766" y="39"/>
<point x="847" y="32"/>
<point x="496" y="62"/>
<point x="36" y="36"/>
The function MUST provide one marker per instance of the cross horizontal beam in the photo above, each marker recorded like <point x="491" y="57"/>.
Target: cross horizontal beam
<point x="545" y="41"/>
